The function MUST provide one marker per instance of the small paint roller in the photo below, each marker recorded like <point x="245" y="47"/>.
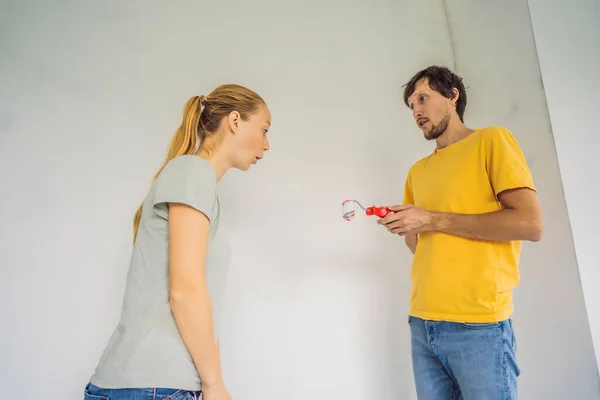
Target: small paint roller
<point x="349" y="212"/>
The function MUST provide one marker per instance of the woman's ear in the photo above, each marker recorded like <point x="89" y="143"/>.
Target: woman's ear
<point x="234" y="121"/>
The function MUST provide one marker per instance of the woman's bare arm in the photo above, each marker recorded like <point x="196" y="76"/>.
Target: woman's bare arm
<point x="188" y="291"/>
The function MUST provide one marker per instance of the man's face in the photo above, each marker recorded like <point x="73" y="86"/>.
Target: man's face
<point x="430" y="110"/>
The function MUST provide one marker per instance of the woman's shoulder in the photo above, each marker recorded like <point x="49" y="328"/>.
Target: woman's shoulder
<point x="189" y="161"/>
<point x="188" y="180"/>
<point x="188" y="165"/>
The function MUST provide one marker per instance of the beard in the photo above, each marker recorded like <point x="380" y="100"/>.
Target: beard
<point x="437" y="130"/>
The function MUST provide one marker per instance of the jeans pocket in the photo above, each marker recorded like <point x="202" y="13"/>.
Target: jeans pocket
<point x="182" y="395"/>
<point x="87" y="395"/>
<point x="483" y="325"/>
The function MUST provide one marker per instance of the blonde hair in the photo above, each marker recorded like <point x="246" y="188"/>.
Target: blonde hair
<point x="202" y="116"/>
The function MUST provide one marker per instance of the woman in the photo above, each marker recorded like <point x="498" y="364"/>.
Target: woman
<point x="166" y="344"/>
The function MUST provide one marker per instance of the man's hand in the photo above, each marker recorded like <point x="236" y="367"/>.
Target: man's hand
<point x="411" y="240"/>
<point x="408" y="219"/>
<point x="519" y="219"/>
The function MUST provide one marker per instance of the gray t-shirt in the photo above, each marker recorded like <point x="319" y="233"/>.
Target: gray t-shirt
<point x="146" y="349"/>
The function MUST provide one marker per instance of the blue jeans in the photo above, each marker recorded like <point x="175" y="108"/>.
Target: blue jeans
<point x="95" y="393"/>
<point x="460" y="361"/>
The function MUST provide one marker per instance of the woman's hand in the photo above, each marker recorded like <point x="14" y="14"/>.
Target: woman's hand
<point x="216" y="391"/>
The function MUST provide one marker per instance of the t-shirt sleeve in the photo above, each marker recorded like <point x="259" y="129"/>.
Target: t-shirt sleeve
<point x="506" y="164"/>
<point x="408" y="192"/>
<point x="189" y="181"/>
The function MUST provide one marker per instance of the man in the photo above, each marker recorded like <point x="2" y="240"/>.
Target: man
<point x="467" y="208"/>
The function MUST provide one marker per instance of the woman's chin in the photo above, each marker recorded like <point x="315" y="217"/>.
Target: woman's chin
<point x="244" y="166"/>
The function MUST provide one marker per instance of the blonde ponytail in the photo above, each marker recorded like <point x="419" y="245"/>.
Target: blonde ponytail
<point x="184" y="142"/>
<point x="199" y="130"/>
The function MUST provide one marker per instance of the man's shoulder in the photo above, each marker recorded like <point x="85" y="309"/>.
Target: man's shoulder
<point x="419" y="163"/>
<point x="495" y="132"/>
<point x="498" y="138"/>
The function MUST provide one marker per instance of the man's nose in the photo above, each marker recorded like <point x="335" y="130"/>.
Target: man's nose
<point x="417" y="112"/>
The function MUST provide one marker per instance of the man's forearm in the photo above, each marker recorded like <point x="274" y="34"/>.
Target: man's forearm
<point x="503" y="225"/>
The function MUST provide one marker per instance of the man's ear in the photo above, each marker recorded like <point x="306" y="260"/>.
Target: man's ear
<point x="455" y="96"/>
<point x="233" y="120"/>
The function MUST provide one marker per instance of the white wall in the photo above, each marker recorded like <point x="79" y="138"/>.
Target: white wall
<point x="316" y="307"/>
<point x="567" y="36"/>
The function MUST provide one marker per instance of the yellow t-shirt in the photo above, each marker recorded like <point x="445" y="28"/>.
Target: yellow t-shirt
<point x="454" y="278"/>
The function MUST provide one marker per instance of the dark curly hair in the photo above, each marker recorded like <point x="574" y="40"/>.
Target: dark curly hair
<point x="442" y="80"/>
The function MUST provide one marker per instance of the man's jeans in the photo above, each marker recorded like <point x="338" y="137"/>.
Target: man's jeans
<point x="458" y="361"/>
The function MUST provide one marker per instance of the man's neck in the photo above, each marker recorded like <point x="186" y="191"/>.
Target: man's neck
<point x="455" y="132"/>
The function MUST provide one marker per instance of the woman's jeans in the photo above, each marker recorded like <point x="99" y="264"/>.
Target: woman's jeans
<point x="95" y="393"/>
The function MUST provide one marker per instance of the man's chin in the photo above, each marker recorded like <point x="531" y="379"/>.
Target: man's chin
<point x="432" y="134"/>
<point x="429" y="135"/>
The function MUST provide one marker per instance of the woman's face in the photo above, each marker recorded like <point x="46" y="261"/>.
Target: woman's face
<point x="251" y="138"/>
